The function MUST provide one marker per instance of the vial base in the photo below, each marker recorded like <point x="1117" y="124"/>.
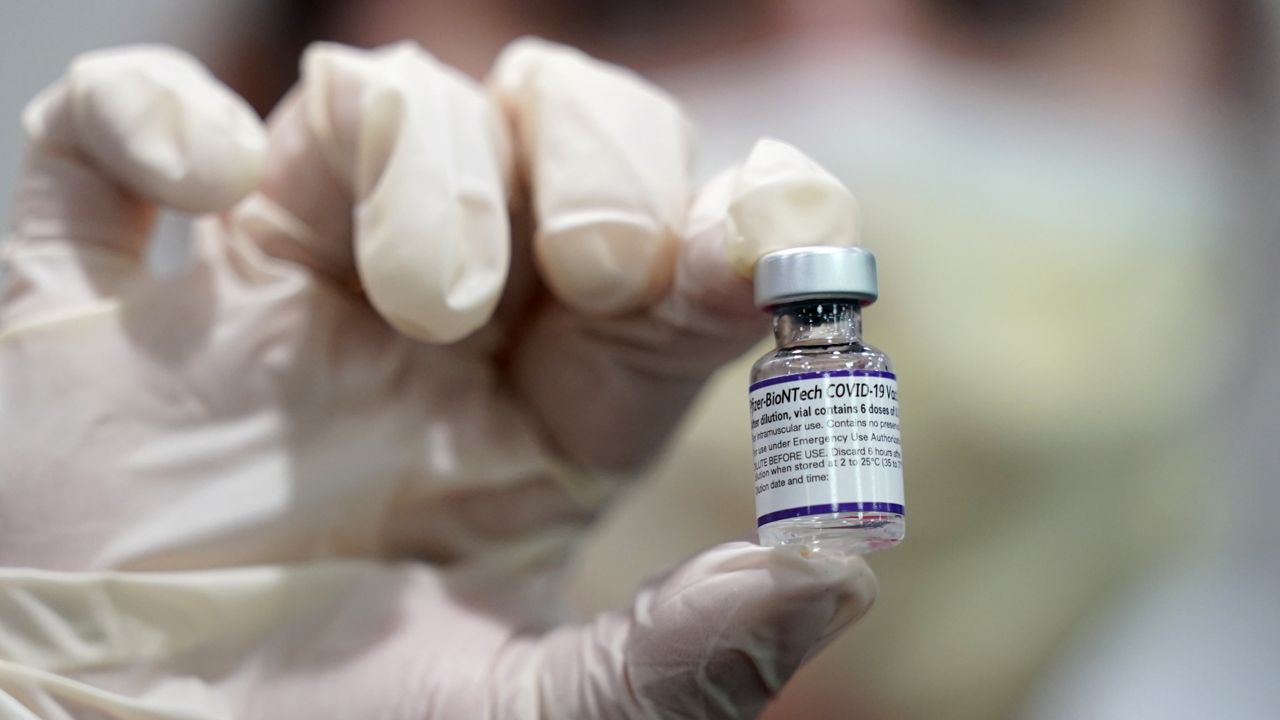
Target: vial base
<point x="837" y="534"/>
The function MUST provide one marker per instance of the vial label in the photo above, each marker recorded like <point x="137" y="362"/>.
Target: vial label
<point x="826" y="442"/>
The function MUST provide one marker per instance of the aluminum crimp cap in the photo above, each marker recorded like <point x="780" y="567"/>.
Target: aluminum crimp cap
<point x="815" y="273"/>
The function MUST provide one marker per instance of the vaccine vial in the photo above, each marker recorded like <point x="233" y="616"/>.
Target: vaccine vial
<point x="824" y="409"/>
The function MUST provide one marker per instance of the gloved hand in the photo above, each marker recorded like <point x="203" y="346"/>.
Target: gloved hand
<point x="426" y="321"/>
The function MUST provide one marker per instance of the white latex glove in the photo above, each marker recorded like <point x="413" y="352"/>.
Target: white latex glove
<point x="333" y="384"/>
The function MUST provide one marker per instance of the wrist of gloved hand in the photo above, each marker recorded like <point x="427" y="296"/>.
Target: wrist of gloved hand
<point x="715" y="637"/>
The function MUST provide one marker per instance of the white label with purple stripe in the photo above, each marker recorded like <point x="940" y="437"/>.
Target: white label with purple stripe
<point x="826" y="442"/>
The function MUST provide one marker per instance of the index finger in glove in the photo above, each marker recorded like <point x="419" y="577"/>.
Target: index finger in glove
<point x="402" y="155"/>
<point x="716" y="638"/>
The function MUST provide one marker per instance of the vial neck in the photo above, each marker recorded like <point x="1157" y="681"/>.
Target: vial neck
<point x="817" y="323"/>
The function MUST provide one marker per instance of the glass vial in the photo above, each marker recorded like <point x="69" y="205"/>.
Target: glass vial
<point x="824" y="409"/>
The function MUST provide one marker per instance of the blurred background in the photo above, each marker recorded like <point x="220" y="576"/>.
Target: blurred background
<point x="1073" y="205"/>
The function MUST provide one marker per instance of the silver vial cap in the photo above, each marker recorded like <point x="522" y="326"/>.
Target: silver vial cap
<point x="815" y="273"/>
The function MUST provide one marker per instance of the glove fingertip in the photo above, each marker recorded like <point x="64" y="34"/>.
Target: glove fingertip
<point x="735" y="622"/>
<point x="607" y="157"/>
<point x="795" y="568"/>
<point x="607" y="264"/>
<point x="432" y="235"/>
<point x="783" y="199"/>
<point x="435" y="299"/>
<point x="158" y="120"/>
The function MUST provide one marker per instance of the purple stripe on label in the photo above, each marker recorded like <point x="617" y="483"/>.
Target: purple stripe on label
<point x="824" y="373"/>
<point x="794" y="512"/>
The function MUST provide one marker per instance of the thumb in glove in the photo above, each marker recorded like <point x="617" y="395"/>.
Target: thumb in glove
<point x="715" y="638"/>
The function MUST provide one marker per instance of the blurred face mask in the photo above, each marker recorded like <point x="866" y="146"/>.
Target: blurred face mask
<point x="1053" y="278"/>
